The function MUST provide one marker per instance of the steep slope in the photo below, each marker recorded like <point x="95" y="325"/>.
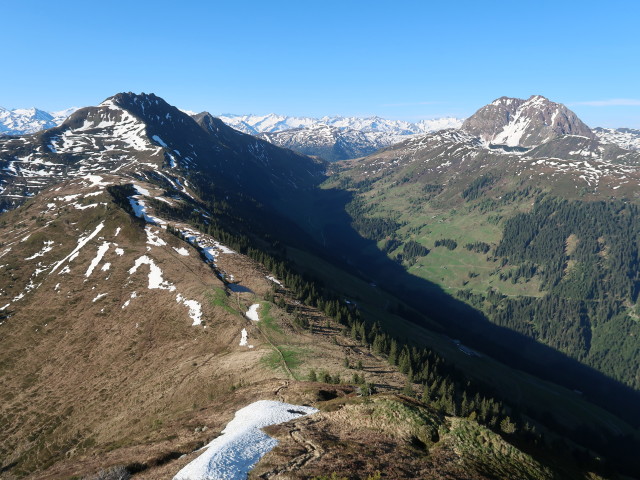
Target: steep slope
<point x="525" y="123"/>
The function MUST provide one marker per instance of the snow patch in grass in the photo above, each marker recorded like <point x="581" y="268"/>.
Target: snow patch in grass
<point x="126" y="304"/>
<point x="119" y="252"/>
<point x="195" y="309"/>
<point x="153" y="238"/>
<point x="98" y="297"/>
<point x="155" y="274"/>
<point x="82" y="241"/>
<point x="48" y="246"/>
<point x="77" y="206"/>
<point x="242" y="444"/>
<point x="68" y="198"/>
<point x="252" y="313"/>
<point x="96" y="181"/>
<point x="182" y="251"/>
<point x="244" y="338"/>
<point x="102" y="249"/>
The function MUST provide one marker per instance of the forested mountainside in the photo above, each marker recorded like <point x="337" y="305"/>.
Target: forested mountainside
<point x="541" y="240"/>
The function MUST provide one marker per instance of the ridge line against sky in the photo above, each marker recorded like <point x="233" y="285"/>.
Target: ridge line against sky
<point x="409" y="60"/>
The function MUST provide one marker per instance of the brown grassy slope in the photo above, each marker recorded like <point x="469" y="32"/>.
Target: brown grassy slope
<point x="80" y="375"/>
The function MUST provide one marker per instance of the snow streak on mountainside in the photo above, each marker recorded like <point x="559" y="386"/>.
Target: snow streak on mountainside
<point x="22" y="121"/>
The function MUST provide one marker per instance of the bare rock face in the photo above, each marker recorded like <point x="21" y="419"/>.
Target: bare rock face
<point x="525" y="123"/>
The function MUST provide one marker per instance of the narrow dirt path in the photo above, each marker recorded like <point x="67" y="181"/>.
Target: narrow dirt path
<point x="313" y="451"/>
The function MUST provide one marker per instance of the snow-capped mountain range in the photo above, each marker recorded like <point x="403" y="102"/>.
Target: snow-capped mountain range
<point x="338" y="138"/>
<point x="272" y="123"/>
<point x="628" y="138"/>
<point x="334" y="138"/>
<point x="20" y="121"/>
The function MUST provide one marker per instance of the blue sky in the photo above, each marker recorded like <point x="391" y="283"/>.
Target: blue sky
<point x="401" y="59"/>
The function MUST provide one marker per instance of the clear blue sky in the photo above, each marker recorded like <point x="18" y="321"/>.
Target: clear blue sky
<point x="397" y="59"/>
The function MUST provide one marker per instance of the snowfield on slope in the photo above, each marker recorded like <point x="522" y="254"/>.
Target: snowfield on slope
<point x="232" y="455"/>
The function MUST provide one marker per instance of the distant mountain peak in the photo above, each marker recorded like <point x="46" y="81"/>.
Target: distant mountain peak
<point x="524" y="123"/>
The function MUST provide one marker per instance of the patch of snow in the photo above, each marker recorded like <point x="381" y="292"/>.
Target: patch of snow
<point x="106" y="267"/>
<point x="244" y="338"/>
<point x="159" y="141"/>
<point x="117" y="232"/>
<point x="252" y="313"/>
<point x="119" y="252"/>
<point x="139" y="208"/>
<point x="48" y="246"/>
<point x="141" y="190"/>
<point x="102" y="249"/>
<point x="182" y="251"/>
<point x="242" y="444"/>
<point x="155" y="274"/>
<point x="273" y="279"/>
<point x="68" y="198"/>
<point x="77" y="206"/>
<point x="126" y="304"/>
<point x="96" y="181"/>
<point x="98" y="297"/>
<point x="153" y="238"/>
<point x="195" y="309"/>
<point x="81" y="243"/>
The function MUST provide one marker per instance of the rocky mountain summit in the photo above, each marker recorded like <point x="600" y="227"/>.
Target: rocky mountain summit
<point x="524" y="123"/>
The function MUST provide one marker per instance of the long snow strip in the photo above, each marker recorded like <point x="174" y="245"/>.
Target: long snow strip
<point x="232" y="455"/>
<point x="81" y="243"/>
